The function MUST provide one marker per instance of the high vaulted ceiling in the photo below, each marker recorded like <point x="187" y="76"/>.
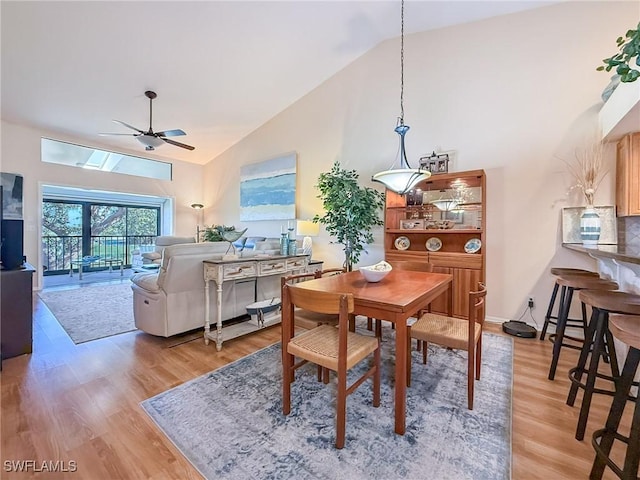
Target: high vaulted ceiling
<point x="220" y="69"/>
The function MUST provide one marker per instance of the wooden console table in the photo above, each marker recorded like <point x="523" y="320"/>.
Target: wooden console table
<point x="220" y="271"/>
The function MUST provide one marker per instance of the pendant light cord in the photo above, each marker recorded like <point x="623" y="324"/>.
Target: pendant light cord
<point x="402" y="63"/>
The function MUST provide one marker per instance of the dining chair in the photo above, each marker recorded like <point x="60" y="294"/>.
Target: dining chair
<point x="332" y="348"/>
<point x="305" y="318"/>
<point x="455" y="333"/>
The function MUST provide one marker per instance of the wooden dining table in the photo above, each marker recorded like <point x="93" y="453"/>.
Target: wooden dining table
<point x="395" y="298"/>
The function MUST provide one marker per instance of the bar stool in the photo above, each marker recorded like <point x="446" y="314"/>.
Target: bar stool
<point x="625" y="328"/>
<point x="598" y="343"/>
<point x="549" y="318"/>
<point x="569" y="284"/>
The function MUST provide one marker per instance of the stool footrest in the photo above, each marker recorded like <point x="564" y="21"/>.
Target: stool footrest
<point x="552" y="339"/>
<point x="575" y="370"/>
<point x="597" y="435"/>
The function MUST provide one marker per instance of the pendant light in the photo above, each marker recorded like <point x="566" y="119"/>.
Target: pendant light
<point x="402" y="179"/>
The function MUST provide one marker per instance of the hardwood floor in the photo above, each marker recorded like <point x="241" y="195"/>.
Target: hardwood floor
<point x="79" y="403"/>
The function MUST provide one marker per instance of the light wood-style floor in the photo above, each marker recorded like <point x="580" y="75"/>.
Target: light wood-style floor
<point x="80" y="403"/>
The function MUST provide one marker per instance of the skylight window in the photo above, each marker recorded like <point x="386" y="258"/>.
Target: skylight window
<point x="69" y="154"/>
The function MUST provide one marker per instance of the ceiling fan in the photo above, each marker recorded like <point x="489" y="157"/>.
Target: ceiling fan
<point x="151" y="139"/>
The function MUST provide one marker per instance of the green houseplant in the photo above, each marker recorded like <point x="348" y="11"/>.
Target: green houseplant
<point x="623" y="62"/>
<point x="351" y="211"/>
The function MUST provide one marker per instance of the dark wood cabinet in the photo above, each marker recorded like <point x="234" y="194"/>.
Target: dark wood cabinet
<point x="16" y="311"/>
<point x="416" y="228"/>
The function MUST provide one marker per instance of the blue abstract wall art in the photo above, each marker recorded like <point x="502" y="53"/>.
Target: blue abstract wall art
<point x="268" y="189"/>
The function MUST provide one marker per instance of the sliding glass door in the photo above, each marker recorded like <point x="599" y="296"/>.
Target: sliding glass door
<point x="72" y="230"/>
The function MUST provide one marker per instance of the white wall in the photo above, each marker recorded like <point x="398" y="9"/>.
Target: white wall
<point x="21" y="154"/>
<point x="512" y="95"/>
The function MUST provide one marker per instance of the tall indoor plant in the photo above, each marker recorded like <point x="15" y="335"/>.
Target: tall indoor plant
<point x="351" y="211"/>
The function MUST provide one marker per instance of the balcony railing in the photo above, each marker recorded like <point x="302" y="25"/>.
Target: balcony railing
<point x="59" y="251"/>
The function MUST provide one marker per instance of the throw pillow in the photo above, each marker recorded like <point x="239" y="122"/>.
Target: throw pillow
<point x="152" y="255"/>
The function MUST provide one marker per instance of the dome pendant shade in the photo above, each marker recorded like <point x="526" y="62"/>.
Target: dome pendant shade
<point x="150" y="141"/>
<point x="405" y="178"/>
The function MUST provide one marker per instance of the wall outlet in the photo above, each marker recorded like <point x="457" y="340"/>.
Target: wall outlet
<point x="531" y="302"/>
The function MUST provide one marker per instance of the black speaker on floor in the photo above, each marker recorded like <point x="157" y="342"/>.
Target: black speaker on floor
<point x="11" y="248"/>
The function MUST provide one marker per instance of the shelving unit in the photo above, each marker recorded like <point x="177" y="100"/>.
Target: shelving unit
<point x="468" y="222"/>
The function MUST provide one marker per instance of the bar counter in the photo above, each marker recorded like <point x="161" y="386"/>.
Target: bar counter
<point x="623" y="253"/>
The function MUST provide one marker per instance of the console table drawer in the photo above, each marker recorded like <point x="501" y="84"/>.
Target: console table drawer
<point x="240" y="270"/>
<point x="272" y="267"/>
<point x="296" y="263"/>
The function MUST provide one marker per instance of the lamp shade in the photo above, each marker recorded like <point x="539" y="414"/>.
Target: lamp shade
<point x="401" y="180"/>
<point x="446" y="205"/>
<point x="307" y="228"/>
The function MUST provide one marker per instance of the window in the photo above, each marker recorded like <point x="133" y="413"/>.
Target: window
<point x="72" y="230"/>
<point x="63" y="153"/>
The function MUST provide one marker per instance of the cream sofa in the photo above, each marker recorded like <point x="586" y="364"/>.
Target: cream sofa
<point x="171" y="301"/>
<point x="146" y="255"/>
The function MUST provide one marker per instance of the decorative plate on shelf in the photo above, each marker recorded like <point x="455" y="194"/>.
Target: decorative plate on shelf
<point x="402" y="243"/>
<point x="473" y="245"/>
<point x="434" y="244"/>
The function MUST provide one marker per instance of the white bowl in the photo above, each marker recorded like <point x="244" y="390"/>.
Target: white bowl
<point x="375" y="273"/>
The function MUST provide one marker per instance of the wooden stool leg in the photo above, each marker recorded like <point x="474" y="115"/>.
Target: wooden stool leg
<point x="607" y="435"/>
<point x="598" y="348"/>
<point x="584" y="355"/>
<point x="563" y="314"/>
<point x="547" y="317"/>
<point x="369" y="323"/>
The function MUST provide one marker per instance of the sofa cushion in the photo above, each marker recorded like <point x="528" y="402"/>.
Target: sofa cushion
<point x="148" y="281"/>
<point x="239" y="244"/>
<point x="152" y="255"/>
<point x="251" y="242"/>
<point x="166" y="240"/>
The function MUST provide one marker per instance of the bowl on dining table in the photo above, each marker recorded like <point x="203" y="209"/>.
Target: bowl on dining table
<point x="375" y="273"/>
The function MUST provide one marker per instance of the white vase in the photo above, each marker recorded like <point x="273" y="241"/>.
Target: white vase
<point x="589" y="227"/>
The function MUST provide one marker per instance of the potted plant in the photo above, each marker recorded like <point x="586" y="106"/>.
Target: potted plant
<point x="623" y="61"/>
<point x="351" y="211"/>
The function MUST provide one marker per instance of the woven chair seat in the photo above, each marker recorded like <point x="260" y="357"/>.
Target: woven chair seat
<point x="309" y="320"/>
<point x="320" y="346"/>
<point x="443" y="330"/>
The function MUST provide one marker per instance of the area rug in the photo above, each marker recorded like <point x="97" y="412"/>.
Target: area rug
<point x="89" y="313"/>
<point x="229" y="422"/>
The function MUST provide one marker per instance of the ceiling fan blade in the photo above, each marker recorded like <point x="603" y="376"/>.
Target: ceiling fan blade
<point x="171" y="133"/>
<point x="129" y="126"/>
<point x="119" y="134"/>
<point x="178" y="144"/>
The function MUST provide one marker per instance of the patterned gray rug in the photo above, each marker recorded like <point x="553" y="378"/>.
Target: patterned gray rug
<point x="229" y="422"/>
<point x="88" y="313"/>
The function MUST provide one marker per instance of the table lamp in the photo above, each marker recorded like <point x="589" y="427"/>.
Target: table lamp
<point x="307" y="229"/>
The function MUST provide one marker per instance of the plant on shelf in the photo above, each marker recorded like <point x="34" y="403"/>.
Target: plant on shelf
<point x="623" y="61"/>
<point x="214" y="233"/>
<point x="351" y="211"/>
<point x="222" y="233"/>
<point x="588" y="170"/>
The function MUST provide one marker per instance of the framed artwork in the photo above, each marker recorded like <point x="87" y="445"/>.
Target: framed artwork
<point x="11" y="196"/>
<point x="268" y="189"/>
<point x="435" y="163"/>
<point x="571" y="225"/>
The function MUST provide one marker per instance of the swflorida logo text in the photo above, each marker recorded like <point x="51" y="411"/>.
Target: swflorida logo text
<point x="57" y="466"/>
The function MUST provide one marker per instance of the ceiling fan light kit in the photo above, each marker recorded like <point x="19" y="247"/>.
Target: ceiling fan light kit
<point x="150" y="139"/>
